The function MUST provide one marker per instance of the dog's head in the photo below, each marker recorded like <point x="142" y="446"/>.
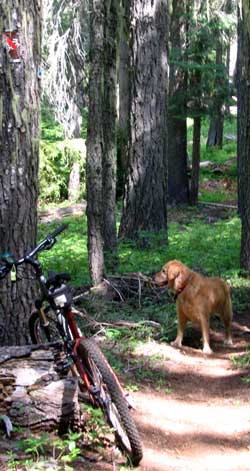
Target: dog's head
<point x="174" y="275"/>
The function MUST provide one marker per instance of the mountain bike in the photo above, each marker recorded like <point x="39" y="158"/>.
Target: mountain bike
<point x="54" y="318"/>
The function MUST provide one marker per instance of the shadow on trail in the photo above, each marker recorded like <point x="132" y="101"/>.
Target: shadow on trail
<point x="171" y="440"/>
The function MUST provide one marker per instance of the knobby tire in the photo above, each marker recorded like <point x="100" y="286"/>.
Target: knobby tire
<point x="43" y="334"/>
<point x="130" y="444"/>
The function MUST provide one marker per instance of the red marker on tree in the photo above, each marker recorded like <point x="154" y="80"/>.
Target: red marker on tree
<point x="11" y="40"/>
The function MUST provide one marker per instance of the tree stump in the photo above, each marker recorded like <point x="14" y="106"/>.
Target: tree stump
<point x="32" y="392"/>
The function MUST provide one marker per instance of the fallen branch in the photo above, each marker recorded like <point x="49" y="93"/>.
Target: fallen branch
<point x="119" y="323"/>
<point x="219" y="205"/>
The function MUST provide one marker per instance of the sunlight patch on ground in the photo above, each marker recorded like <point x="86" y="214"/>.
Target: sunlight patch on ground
<point x="215" y="367"/>
<point x="210" y="462"/>
<point x="169" y="416"/>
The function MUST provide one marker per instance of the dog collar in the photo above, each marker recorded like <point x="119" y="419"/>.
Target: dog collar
<point x="180" y="291"/>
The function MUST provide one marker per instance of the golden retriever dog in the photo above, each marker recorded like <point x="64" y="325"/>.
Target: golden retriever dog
<point x="198" y="297"/>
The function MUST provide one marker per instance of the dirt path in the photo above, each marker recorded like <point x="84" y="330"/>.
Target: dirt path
<point x="204" y="421"/>
<point x="197" y="417"/>
<point x="192" y="411"/>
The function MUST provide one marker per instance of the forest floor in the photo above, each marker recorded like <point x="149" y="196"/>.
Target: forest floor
<point x="196" y="414"/>
<point x="192" y="410"/>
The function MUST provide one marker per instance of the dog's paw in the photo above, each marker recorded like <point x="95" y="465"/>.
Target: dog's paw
<point x="228" y="342"/>
<point x="176" y="344"/>
<point x="207" y="350"/>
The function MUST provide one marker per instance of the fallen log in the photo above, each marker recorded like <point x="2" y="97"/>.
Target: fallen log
<point x="219" y="205"/>
<point x="32" y="392"/>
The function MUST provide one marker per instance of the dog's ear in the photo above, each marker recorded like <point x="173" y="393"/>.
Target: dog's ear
<point x="181" y="279"/>
<point x="172" y="272"/>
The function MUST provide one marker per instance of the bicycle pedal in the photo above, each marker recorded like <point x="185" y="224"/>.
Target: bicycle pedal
<point x="94" y="390"/>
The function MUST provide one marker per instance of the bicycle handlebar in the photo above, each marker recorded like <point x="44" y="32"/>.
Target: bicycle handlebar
<point x="58" y="231"/>
<point x="45" y="244"/>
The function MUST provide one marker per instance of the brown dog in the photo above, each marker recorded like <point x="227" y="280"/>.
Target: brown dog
<point x="198" y="297"/>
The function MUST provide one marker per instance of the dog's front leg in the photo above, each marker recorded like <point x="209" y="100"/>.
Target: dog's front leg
<point x="182" y="320"/>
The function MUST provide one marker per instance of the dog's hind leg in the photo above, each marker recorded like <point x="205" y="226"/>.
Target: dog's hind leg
<point x="205" y="335"/>
<point x="227" y="315"/>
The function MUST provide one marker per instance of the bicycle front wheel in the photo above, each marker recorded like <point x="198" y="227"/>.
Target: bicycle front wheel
<point x="108" y="393"/>
<point x="40" y="333"/>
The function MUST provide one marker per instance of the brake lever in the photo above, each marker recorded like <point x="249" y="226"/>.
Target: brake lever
<point x="49" y="244"/>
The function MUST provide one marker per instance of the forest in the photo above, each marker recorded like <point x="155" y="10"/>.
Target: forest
<point x="124" y="144"/>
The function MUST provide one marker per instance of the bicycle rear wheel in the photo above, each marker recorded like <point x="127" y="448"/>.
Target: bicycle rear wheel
<point x="106" y="390"/>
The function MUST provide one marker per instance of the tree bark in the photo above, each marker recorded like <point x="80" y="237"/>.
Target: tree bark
<point x="178" y="185"/>
<point x="109" y="131"/>
<point x="243" y="141"/>
<point x="124" y="98"/>
<point x="32" y="393"/>
<point x="95" y="144"/>
<point x="74" y="182"/>
<point x="20" y="60"/>
<point x="195" y="161"/>
<point x="145" y="201"/>
<point x="215" y="133"/>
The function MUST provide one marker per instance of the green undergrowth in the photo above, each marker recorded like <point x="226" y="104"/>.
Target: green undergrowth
<point x="242" y="362"/>
<point x="223" y="170"/>
<point x="57" y="453"/>
<point x="229" y="140"/>
<point x="211" y="246"/>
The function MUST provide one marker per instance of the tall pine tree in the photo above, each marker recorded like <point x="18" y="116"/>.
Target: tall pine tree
<point x="20" y="61"/>
<point x="145" y="201"/>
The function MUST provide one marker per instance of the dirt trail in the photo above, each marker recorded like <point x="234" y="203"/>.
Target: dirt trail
<point x="199" y="416"/>
<point x="193" y="412"/>
<point x="204" y="422"/>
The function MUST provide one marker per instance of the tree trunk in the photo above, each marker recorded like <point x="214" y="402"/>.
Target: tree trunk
<point x="124" y="98"/>
<point x="229" y="9"/>
<point x="215" y="133"/>
<point x="94" y="184"/>
<point x="178" y="186"/>
<point x="32" y="394"/>
<point x="145" y="201"/>
<point x="243" y="130"/>
<point x="20" y="59"/>
<point x="74" y="182"/>
<point x="109" y="131"/>
<point x="228" y="52"/>
<point x="195" y="161"/>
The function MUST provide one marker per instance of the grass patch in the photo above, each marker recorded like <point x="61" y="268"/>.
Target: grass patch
<point x="241" y="361"/>
<point x="224" y="158"/>
<point x="70" y="253"/>
<point x="212" y="247"/>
